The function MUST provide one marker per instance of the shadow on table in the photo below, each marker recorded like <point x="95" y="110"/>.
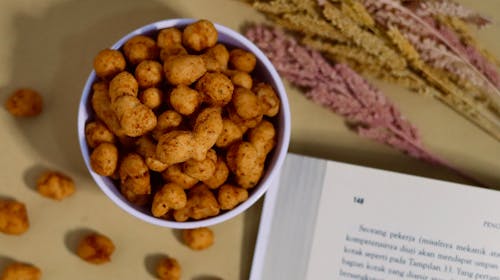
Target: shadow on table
<point x="31" y="175"/>
<point x="5" y="261"/>
<point x="390" y="160"/>
<point x="251" y="221"/>
<point x="53" y="53"/>
<point x="151" y="261"/>
<point x="207" y="277"/>
<point x="72" y="238"/>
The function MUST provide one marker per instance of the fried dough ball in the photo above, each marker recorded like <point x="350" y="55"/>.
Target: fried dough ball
<point x="167" y="121"/>
<point x="244" y="124"/>
<point x="130" y="194"/>
<point x="104" y="159"/>
<point x="95" y="248"/>
<point x="243" y="160"/>
<point x="149" y="73"/>
<point x="140" y="48"/>
<point x="201" y="204"/>
<point x="55" y="185"/>
<point x="168" y="269"/>
<point x="175" y="147"/>
<point x="242" y="79"/>
<point x="219" y="176"/>
<point x="184" y="69"/>
<point x="207" y="128"/>
<point x="199" y="35"/>
<point x="231" y="133"/>
<point x="21" y="271"/>
<point x="96" y="133"/>
<point x="151" y="97"/>
<point x="216" y="88"/>
<point x="174" y="50"/>
<point x="168" y="37"/>
<point x="123" y="84"/>
<point x="175" y="175"/>
<point x="170" y="196"/>
<point x="101" y="104"/>
<point x="230" y="196"/>
<point x="147" y="149"/>
<point x="246" y="103"/>
<point x="108" y="63"/>
<point x="269" y="101"/>
<point x="13" y="217"/>
<point x="216" y="58"/>
<point x="134" y="174"/>
<point x="198" y="238"/>
<point x="184" y="100"/>
<point x="24" y="102"/>
<point x="201" y="169"/>
<point x="242" y="60"/>
<point x="263" y="138"/>
<point x="136" y="119"/>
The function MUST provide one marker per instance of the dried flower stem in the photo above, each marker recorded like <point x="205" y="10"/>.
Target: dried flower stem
<point x="344" y="92"/>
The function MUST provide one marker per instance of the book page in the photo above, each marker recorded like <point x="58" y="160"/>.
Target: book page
<point x="374" y="224"/>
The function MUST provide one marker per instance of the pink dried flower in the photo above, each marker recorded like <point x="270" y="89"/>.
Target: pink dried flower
<point x="343" y="91"/>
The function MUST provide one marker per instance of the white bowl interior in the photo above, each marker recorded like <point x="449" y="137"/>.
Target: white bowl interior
<point x="266" y="72"/>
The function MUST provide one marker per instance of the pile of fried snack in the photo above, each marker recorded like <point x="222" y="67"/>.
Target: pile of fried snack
<point x="179" y="122"/>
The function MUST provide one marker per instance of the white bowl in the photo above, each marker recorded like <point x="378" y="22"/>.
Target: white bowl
<point x="265" y="71"/>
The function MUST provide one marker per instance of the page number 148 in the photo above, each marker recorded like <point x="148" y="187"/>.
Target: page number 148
<point x="358" y="200"/>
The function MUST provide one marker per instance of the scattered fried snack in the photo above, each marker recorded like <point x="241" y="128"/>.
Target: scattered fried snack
<point x="55" y="185"/>
<point x="181" y="105"/>
<point x="184" y="69"/>
<point x="21" y="271"/>
<point x="199" y="35"/>
<point x="241" y="79"/>
<point x="230" y="196"/>
<point x="242" y="60"/>
<point x="13" y="217"/>
<point x="168" y="269"/>
<point x="96" y="133"/>
<point x="134" y="174"/>
<point x="175" y="174"/>
<point x="198" y="238"/>
<point x="24" y="102"/>
<point x="185" y="100"/>
<point x="268" y="99"/>
<point x="140" y="48"/>
<point x="104" y="159"/>
<point x="170" y="196"/>
<point x="167" y="121"/>
<point x="95" y="248"/>
<point x="219" y="176"/>
<point x="169" y="37"/>
<point x="108" y="63"/>
<point x="149" y="73"/>
<point x="216" y="88"/>
<point x="216" y="58"/>
<point x="201" y="203"/>
<point x="151" y="97"/>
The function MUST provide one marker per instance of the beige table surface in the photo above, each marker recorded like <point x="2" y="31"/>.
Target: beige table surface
<point x="49" y="45"/>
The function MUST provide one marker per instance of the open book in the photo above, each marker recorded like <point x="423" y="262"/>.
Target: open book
<point x="330" y="220"/>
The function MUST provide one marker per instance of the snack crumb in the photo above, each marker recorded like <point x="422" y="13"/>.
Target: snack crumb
<point x="13" y="217"/>
<point x="24" y="102"/>
<point x="21" y="271"/>
<point x="168" y="269"/>
<point x="55" y="185"/>
<point x="198" y="238"/>
<point x="95" y="248"/>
